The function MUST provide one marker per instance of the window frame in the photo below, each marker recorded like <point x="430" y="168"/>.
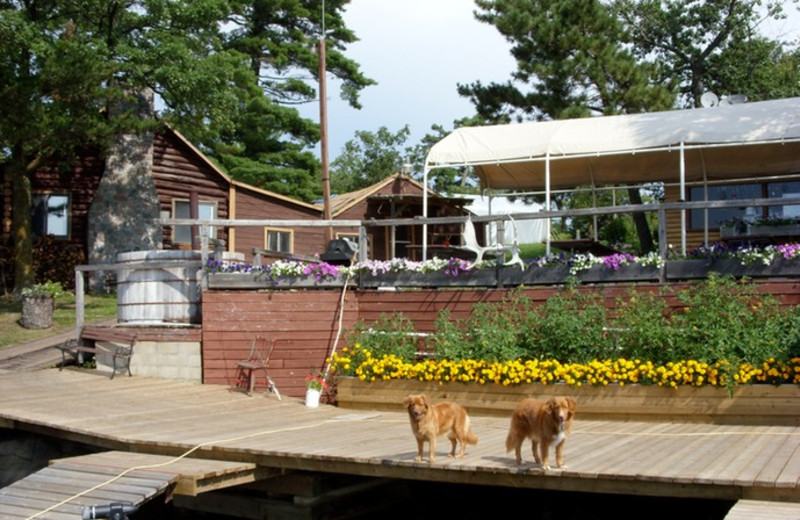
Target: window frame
<point x="280" y="231"/>
<point x="179" y="230"/>
<point x="46" y="196"/>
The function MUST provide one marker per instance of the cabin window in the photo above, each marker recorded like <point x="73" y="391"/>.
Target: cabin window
<point x="781" y="190"/>
<point x="727" y="192"/>
<point x="278" y="240"/>
<point x="50" y="215"/>
<point x="182" y="209"/>
<point x="772" y="190"/>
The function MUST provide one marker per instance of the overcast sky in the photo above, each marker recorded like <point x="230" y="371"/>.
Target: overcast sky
<point x="417" y="51"/>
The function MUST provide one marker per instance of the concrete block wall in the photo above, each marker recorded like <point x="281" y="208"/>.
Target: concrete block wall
<point x="179" y="360"/>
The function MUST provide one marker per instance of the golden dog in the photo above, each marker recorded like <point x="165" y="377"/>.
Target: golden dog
<point x="545" y="423"/>
<point x="429" y="421"/>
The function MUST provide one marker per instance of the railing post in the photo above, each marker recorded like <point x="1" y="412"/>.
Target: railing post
<point x="79" y="304"/>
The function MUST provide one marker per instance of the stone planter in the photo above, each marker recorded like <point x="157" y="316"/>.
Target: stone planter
<point x="747" y="404"/>
<point x="37" y="312"/>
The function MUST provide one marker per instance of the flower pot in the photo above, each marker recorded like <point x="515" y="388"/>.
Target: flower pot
<point x="37" y="312"/>
<point x="312" y="397"/>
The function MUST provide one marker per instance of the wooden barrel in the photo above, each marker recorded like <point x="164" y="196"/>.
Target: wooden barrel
<point x="158" y="295"/>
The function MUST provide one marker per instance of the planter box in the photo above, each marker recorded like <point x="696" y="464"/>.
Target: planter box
<point x="749" y="404"/>
<point x="559" y="274"/>
<point x="475" y="278"/>
<point x="260" y="282"/>
<point x="694" y="269"/>
<point x="771" y="231"/>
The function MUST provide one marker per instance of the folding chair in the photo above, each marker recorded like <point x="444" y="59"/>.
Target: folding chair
<point x="246" y="371"/>
<point x="470" y="243"/>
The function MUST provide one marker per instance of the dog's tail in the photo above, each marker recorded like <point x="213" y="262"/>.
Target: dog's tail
<point x="470" y="438"/>
<point x="511" y="441"/>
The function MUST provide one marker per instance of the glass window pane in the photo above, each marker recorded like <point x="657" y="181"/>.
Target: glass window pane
<point x="50" y="215"/>
<point x="717" y="215"/>
<point x="780" y="190"/>
<point x="279" y="241"/>
<point x="205" y="211"/>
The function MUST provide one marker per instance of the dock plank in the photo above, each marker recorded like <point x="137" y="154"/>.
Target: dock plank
<point x="763" y="510"/>
<point x="210" y="424"/>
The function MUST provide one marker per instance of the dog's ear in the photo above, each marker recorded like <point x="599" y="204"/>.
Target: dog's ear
<point x="573" y="404"/>
<point x="551" y="407"/>
<point x="426" y="400"/>
<point x="407" y="401"/>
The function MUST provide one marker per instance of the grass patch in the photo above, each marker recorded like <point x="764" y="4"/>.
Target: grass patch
<point x="96" y="308"/>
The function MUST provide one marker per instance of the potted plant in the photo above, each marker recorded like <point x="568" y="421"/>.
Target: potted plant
<point x="38" y="302"/>
<point x="315" y="384"/>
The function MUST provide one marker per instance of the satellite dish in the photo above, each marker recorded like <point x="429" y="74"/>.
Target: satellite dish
<point x="709" y="99"/>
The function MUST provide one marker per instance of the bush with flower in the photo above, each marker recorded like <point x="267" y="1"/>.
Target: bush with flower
<point x="602" y="372"/>
<point x="292" y="268"/>
<point x="48" y="289"/>
<point x="721" y="332"/>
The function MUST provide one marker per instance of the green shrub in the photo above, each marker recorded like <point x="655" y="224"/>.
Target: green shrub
<point x="391" y="334"/>
<point x="717" y="320"/>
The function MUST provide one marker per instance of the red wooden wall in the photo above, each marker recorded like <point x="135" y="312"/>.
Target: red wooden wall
<point x="305" y="323"/>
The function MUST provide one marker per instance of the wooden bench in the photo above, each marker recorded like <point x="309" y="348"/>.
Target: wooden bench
<point x="120" y="355"/>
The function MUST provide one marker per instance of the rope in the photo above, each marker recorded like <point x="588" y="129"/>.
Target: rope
<point x="327" y="369"/>
<point x="176" y="459"/>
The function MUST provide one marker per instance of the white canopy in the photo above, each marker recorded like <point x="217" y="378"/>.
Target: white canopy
<point x="629" y="149"/>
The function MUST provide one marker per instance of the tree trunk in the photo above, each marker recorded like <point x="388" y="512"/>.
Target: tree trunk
<point x="24" y="275"/>
<point x="640" y="222"/>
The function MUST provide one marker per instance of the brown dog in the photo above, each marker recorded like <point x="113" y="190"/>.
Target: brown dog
<point x="545" y="423"/>
<point x="429" y="421"/>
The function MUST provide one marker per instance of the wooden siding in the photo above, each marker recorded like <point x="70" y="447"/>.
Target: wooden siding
<point x="305" y="322"/>
<point x="694" y="239"/>
<point x="178" y="171"/>
<point x="255" y="205"/>
<point x="81" y="181"/>
<point x="304" y="325"/>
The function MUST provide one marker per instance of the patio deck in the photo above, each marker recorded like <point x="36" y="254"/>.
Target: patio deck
<point x="169" y="418"/>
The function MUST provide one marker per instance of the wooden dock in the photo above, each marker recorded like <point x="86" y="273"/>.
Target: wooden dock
<point x="758" y="464"/>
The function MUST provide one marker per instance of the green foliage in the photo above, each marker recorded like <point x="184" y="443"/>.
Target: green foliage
<point x="728" y="319"/>
<point x="391" y="334"/>
<point x="718" y="320"/>
<point x="569" y="325"/>
<point x="369" y="158"/>
<point x="699" y="45"/>
<point x="43" y="290"/>
<point x="641" y="328"/>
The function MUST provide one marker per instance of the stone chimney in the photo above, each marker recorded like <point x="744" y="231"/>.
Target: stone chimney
<point x="124" y="211"/>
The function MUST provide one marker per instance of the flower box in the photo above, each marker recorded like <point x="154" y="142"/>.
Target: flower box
<point x="261" y="281"/>
<point x="474" y="278"/>
<point x="761" y="230"/>
<point x="747" y="404"/>
<point x="695" y="269"/>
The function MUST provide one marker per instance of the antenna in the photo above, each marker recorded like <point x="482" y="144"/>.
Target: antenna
<point x="709" y="99"/>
